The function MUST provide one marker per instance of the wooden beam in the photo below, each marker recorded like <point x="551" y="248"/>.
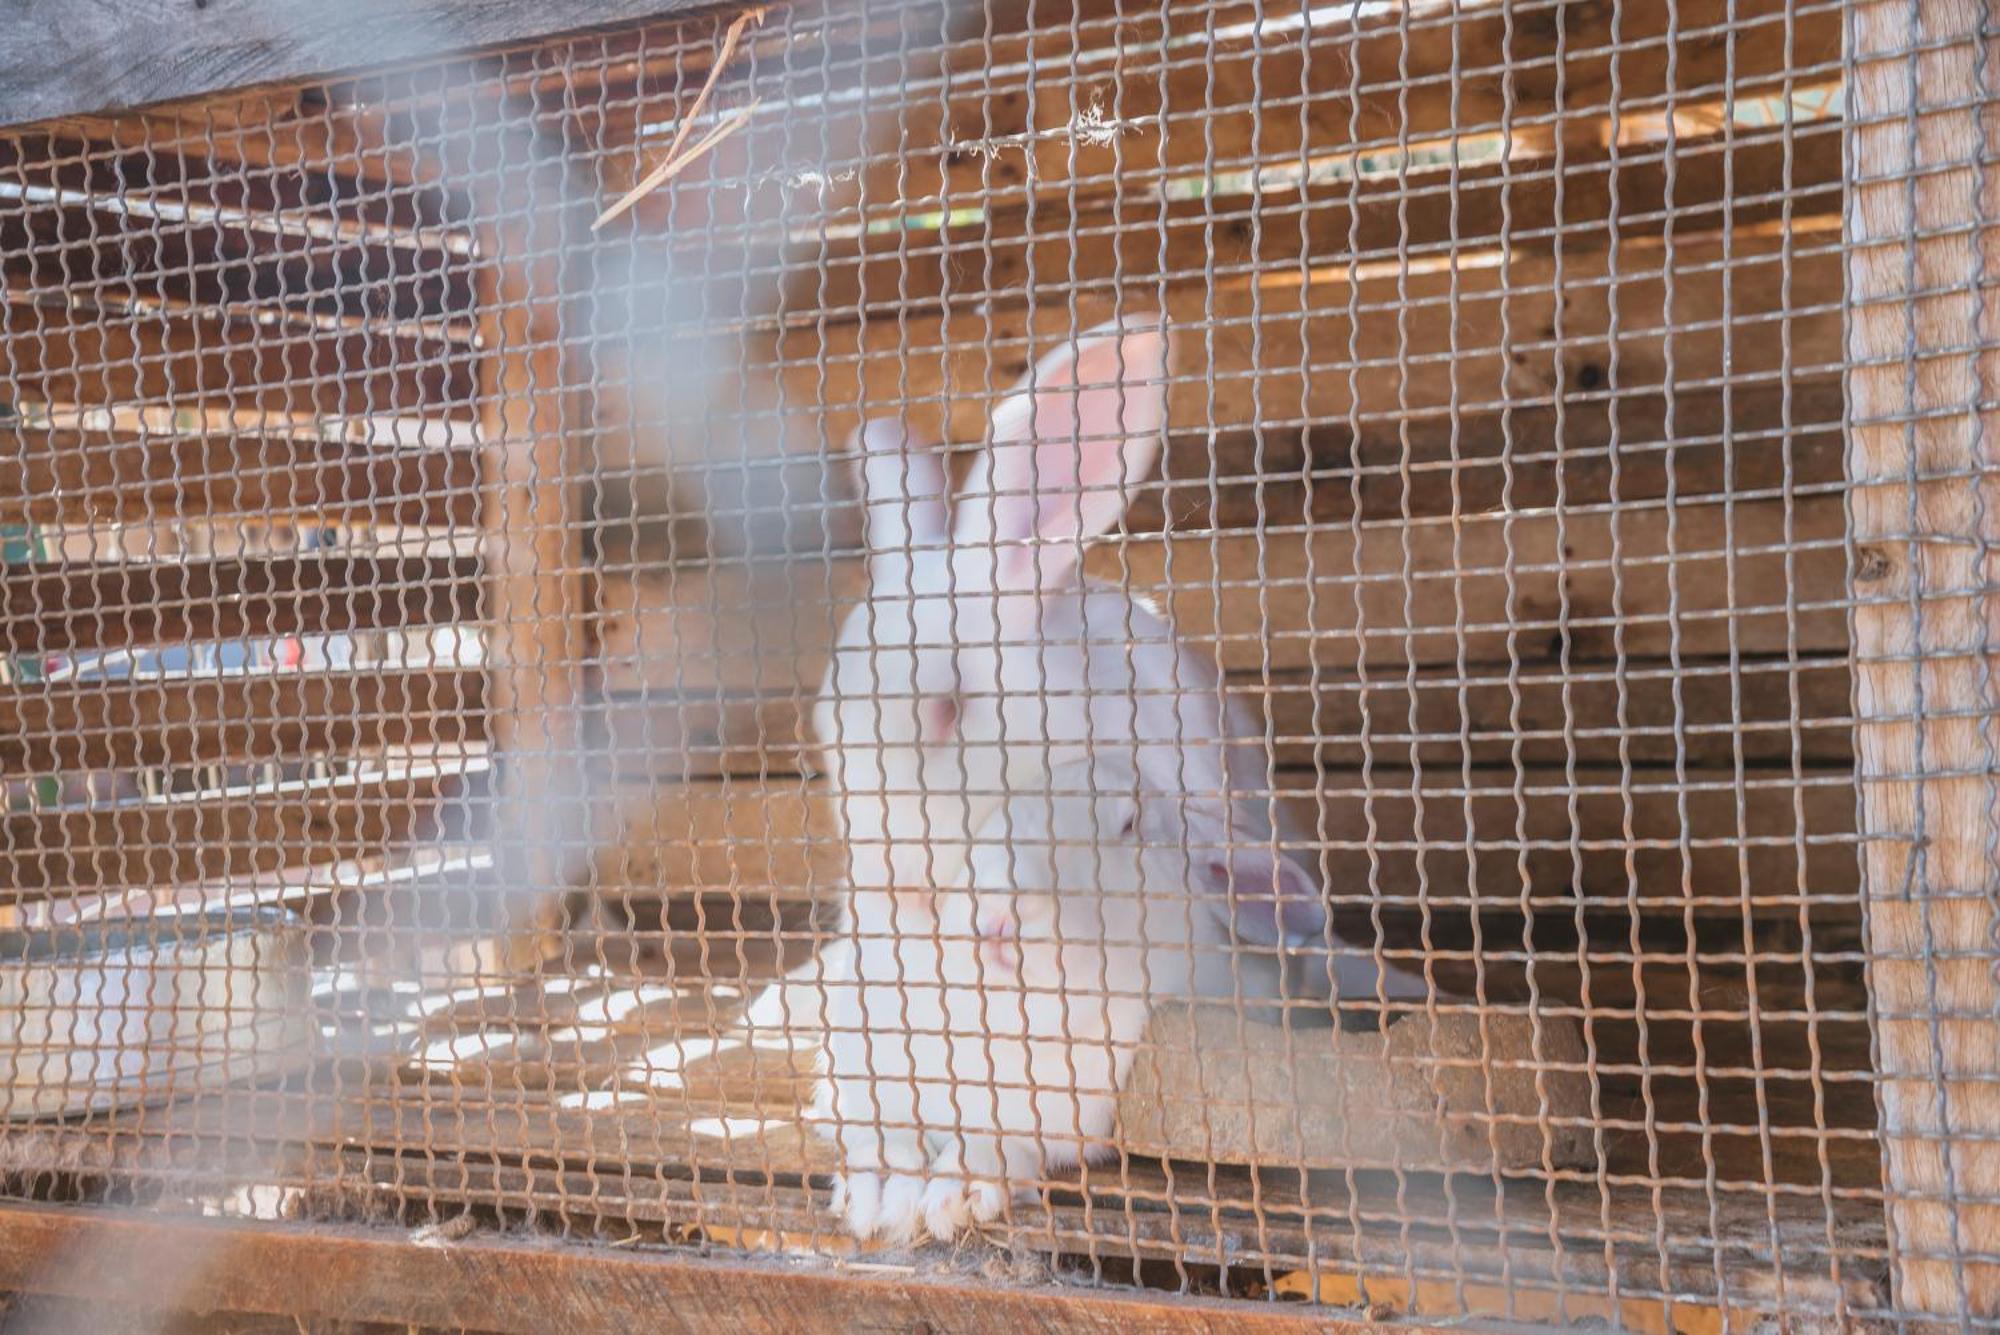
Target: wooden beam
<point x="73" y="478"/>
<point x="1926" y="512"/>
<point x="347" y="1274"/>
<point x="1649" y="712"/>
<point x="106" y="59"/>
<point x="1372" y="348"/>
<point x="531" y="419"/>
<point x="75" y="341"/>
<point x="1579" y="201"/>
<point x="304" y="887"/>
<point x="235" y="832"/>
<point x="1547" y="836"/>
<point x="71" y="609"/>
<point x="1247" y="85"/>
<point x="70" y="726"/>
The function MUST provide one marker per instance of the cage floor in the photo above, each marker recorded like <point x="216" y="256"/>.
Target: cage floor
<point x="632" y="1106"/>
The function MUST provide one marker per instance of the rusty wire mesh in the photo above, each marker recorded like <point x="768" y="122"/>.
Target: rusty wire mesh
<point x="418" y="603"/>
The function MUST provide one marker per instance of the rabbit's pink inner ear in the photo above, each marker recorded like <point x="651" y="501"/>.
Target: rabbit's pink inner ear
<point x="903" y="485"/>
<point x="1066" y="447"/>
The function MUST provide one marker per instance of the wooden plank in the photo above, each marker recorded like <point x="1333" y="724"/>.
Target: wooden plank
<point x="1263" y="351"/>
<point x="1702" y="579"/>
<point x="1435" y="840"/>
<point x="1923" y="448"/>
<point x="1376" y="81"/>
<point x="67" y="726"/>
<point x="1648" y="712"/>
<point x="760" y="843"/>
<point x="235" y="832"/>
<point x="109" y="59"/>
<point x="493" y="1284"/>
<point x="531" y="420"/>
<point x="309" y="888"/>
<point x="104" y="352"/>
<point x="72" y="609"/>
<point x="74" y="478"/>
<point x="1696" y="580"/>
<point x="1061" y="100"/>
<point x="1585" y="199"/>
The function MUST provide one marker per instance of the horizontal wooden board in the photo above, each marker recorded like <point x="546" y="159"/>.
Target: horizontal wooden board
<point x="1064" y="99"/>
<point x="237" y="832"/>
<point x="51" y="727"/>
<point x="1265" y="352"/>
<point x="1700" y="579"/>
<point x="69" y="341"/>
<point x="1537" y="836"/>
<point x="1585" y="199"/>
<point x="52" y="610"/>
<point x="68" y="477"/>
<point x="1646" y="713"/>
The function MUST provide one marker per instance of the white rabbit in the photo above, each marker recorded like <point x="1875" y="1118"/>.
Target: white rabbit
<point x="990" y="1051"/>
<point x="980" y="660"/>
<point x="981" y="657"/>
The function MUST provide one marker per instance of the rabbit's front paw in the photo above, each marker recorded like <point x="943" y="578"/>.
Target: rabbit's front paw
<point x="951" y="1205"/>
<point x="899" y="1215"/>
<point x="857" y="1199"/>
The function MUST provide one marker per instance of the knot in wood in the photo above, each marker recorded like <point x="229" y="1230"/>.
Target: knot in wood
<point x="1872" y="564"/>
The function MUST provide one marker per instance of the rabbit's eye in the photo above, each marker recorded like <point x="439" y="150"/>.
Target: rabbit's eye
<point x="938" y="717"/>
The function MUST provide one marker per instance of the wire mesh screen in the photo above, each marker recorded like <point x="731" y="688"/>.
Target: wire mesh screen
<point x="1210" y="648"/>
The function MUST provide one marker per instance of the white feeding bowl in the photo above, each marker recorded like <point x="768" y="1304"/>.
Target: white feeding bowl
<point x="104" y="1015"/>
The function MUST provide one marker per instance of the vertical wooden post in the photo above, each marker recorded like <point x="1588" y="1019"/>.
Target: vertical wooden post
<point x="1926" y="374"/>
<point x="532" y="542"/>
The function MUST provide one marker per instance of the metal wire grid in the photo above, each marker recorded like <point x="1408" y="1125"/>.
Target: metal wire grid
<point x="1503" y="474"/>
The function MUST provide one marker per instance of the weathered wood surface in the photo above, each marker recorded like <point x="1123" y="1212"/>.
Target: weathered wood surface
<point x="1648" y="712"/>
<point x="1701" y="579"/>
<point x="1095" y="94"/>
<point x="100" y="350"/>
<point x="52" y="610"/>
<point x="1264" y="352"/>
<point x="531" y="418"/>
<point x="348" y="1274"/>
<point x="50" y="727"/>
<point x="257" y="827"/>
<point x="1584" y="200"/>
<point x="1924" y="506"/>
<point x="1767" y="845"/>
<point x="63" y="58"/>
<point x="69" y="477"/>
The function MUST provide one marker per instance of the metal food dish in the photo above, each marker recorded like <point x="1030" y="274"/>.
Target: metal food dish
<point x="99" y="1016"/>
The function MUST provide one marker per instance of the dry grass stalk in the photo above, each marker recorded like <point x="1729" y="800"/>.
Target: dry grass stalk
<point x="675" y="160"/>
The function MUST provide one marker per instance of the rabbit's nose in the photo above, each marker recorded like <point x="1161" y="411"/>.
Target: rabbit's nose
<point x="1000" y="944"/>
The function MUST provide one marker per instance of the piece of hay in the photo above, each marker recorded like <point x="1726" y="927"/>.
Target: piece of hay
<point x="675" y="160"/>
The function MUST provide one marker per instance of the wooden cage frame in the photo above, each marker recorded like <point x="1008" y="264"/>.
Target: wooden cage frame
<point x="88" y="60"/>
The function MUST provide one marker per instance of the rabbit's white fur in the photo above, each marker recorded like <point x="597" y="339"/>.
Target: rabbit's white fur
<point x="980" y="661"/>
<point x="975" y="1055"/>
<point x="982" y="657"/>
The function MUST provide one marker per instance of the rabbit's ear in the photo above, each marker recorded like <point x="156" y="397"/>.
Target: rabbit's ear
<point x="903" y="485"/>
<point x="1082" y="427"/>
<point x="1260" y="894"/>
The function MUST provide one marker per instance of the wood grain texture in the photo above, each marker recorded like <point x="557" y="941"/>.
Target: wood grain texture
<point x="162" y="841"/>
<point x="64" y="57"/>
<point x="52" y="609"/>
<point x="496" y="1285"/>
<point x="1765" y="846"/>
<point x="1926" y="511"/>
<point x="67" y="477"/>
<point x="47" y="728"/>
<point x="531" y="415"/>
